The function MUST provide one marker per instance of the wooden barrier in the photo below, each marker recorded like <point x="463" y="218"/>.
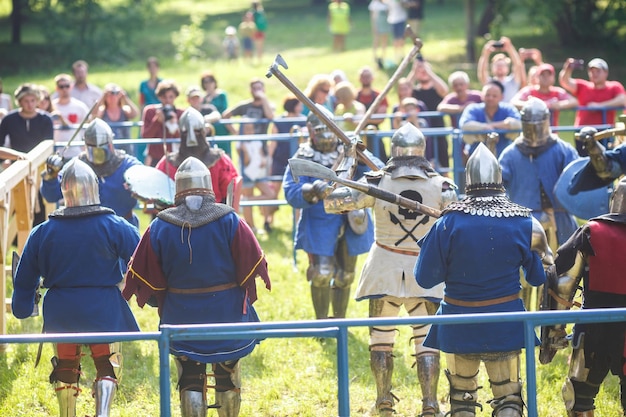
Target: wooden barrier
<point x="19" y="188"/>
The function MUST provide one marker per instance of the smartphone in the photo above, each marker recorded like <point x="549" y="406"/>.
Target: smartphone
<point x="578" y="64"/>
<point x="498" y="44"/>
<point x="419" y="57"/>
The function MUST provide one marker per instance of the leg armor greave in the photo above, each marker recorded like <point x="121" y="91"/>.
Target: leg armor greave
<point x="319" y="274"/>
<point x="381" y="363"/>
<point x="66" y="396"/>
<point x="192" y="387"/>
<point x="341" y="292"/>
<point x="227" y="388"/>
<point x="104" y="392"/>
<point x="578" y="391"/>
<point x="506" y="386"/>
<point x="463" y="395"/>
<point x="428" y="369"/>
<point x="64" y="377"/>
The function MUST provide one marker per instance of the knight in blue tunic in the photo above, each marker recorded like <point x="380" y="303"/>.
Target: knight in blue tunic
<point x="77" y="253"/>
<point x="198" y="261"/>
<point x="477" y="249"/>
<point x="332" y="241"/>
<point x="109" y="165"/>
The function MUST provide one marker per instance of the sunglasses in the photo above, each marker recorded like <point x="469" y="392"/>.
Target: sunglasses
<point x="63" y="86"/>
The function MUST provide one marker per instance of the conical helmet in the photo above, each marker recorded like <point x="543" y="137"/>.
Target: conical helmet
<point x="322" y="138"/>
<point x="483" y="174"/>
<point x="408" y="140"/>
<point x="535" y="122"/>
<point x="79" y="184"/>
<point x="192" y="178"/>
<point x="618" y="201"/>
<point x="98" y="139"/>
<point x="192" y="128"/>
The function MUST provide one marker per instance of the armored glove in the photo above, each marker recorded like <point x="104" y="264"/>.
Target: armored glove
<point x="601" y="164"/>
<point x="316" y="191"/>
<point x="54" y="163"/>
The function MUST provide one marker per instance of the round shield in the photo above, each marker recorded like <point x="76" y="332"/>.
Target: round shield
<point x="149" y="184"/>
<point x="584" y="204"/>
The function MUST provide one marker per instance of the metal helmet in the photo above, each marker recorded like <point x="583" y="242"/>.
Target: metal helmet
<point x="79" y="184"/>
<point x="192" y="127"/>
<point x="535" y="122"/>
<point x="618" y="201"/>
<point x="192" y="178"/>
<point x="483" y="174"/>
<point x="98" y="139"/>
<point x="408" y="140"/>
<point x="322" y="138"/>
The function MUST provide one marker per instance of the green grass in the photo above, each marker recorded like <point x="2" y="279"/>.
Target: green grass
<point x="282" y="377"/>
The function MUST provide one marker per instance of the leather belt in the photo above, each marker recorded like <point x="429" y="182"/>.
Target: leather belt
<point x="214" y="288"/>
<point x="400" y="251"/>
<point x="482" y="303"/>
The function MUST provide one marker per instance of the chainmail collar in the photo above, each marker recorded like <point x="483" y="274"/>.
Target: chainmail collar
<point x="408" y="161"/>
<point x="534" y="151"/>
<point x="305" y="151"/>
<point x="207" y="155"/>
<point x="109" y="167"/>
<point x="489" y="206"/>
<point x="209" y="211"/>
<point x="80" y="211"/>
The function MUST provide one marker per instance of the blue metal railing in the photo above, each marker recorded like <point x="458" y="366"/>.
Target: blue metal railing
<point x="337" y="329"/>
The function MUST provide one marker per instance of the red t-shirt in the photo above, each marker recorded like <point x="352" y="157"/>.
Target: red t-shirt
<point x="368" y="99"/>
<point x="587" y="93"/>
<point x="554" y="94"/>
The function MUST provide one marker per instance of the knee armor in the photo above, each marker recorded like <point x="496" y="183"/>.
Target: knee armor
<point x="227" y="388"/>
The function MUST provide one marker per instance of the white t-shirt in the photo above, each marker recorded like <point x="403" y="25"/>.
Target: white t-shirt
<point x="89" y="95"/>
<point x="73" y="112"/>
<point x="397" y="12"/>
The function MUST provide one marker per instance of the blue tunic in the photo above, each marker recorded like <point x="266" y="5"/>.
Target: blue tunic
<point x="218" y="253"/>
<point x="113" y="193"/>
<point x="476" y="112"/>
<point x="478" y="258"/>
<point x="317" y="232"/>
<point x="522" y="177"/>
<point x="79" y="261"/>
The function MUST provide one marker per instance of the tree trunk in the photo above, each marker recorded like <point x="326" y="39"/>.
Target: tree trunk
<point x="470" y="30"/>
<point x="16" y="22"/>
<point x="485" y="20"/>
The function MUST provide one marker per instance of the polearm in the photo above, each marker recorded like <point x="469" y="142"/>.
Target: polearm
<point x="274" y="70"/>
<point x="417" y="46"/>
<point x="80" y="127"/>
<point x="303" y="167"/>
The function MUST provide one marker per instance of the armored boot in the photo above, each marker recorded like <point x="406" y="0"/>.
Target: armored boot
<point x="509" y="406"/>
<point x="66" y="395"/>
<point x="381" y="364"/>
<point x="428" y="377"/>
<point x="193" y="404"/>
<point x="506" y="387"/>
<point x="321" y="301"/>
<point x="341" y="294"/>
<point x="229" y="403"/>
<point x="227" y="388"/>
<point x="104" y="391"/>
<point x="463" y="395"/>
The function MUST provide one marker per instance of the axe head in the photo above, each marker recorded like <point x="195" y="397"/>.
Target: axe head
<point x="408" y="33"/>
<point x="278" y="61"/>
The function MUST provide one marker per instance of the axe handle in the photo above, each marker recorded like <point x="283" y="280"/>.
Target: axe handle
<point x="390" y="197"/>
<point x="327" y="121"/>
<point x="417" y="45"/>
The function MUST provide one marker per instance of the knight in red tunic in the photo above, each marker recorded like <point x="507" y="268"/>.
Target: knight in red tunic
<point x="595" y="255"/>
<point x="198" y="261"/>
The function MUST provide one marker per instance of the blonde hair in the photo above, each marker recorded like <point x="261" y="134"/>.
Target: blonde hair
<point x="345" y="92"/>
<point x="316" y="83"/>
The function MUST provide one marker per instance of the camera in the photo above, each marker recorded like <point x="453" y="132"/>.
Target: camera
<point x="498" y="44"/>
<point x="578" y="64"/>
<point x="169" y="112"/>
<point x="419" y="57"/>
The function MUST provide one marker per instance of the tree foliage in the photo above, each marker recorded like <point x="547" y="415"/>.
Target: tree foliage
<point x="189" y="40"/>
<point x="91" y="29"/>
<point x="574" y="22"/>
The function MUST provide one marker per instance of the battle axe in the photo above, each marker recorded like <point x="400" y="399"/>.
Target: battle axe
<point x="274" y="70"/>
<point x="302" y="167"/>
